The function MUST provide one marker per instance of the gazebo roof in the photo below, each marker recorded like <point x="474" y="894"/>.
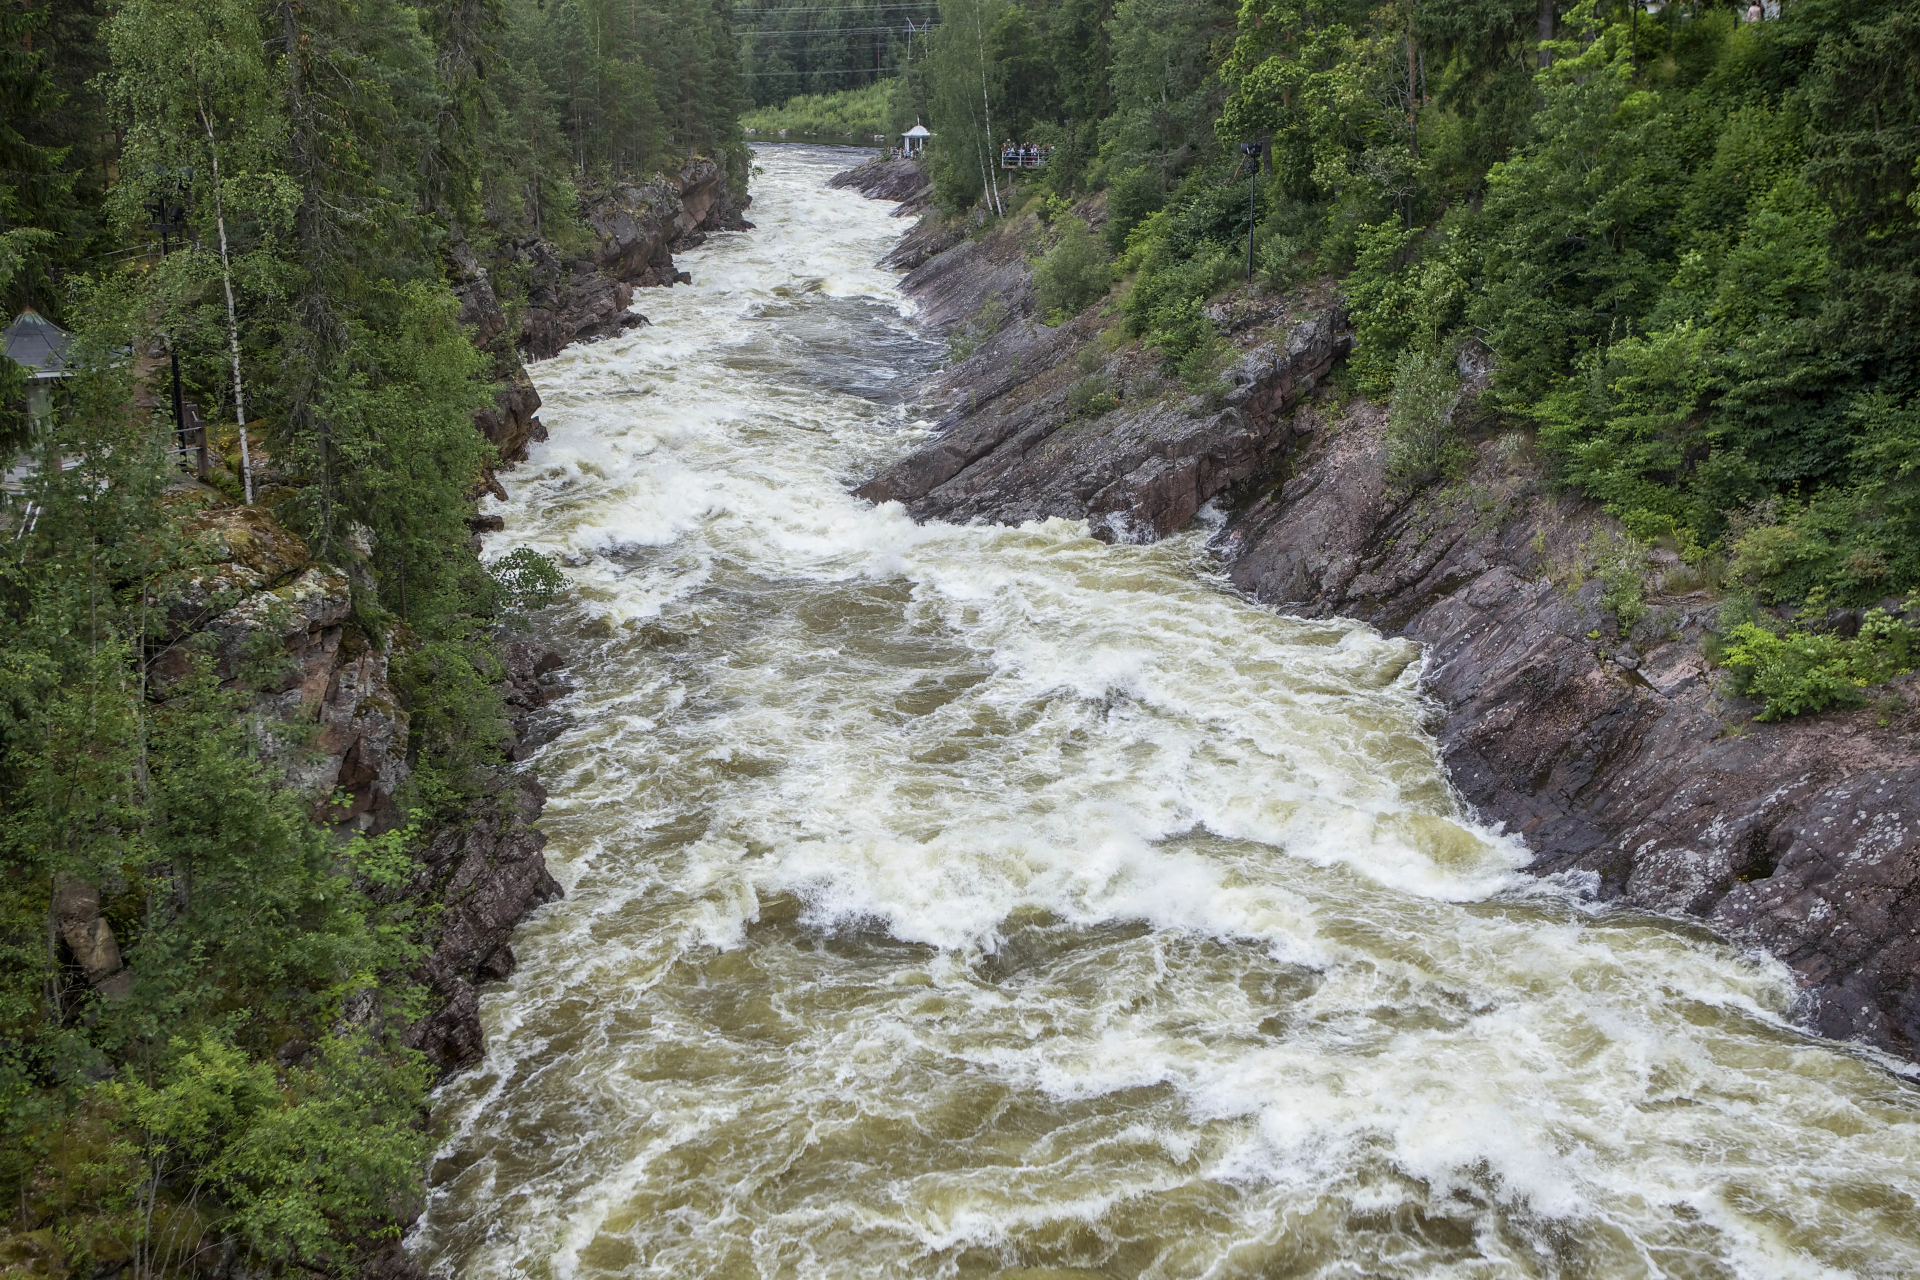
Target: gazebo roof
<point x="918" y="131"/>
<point x="37" y="343"/>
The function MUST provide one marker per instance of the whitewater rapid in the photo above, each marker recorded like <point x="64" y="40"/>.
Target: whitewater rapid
<point x="981" y="901"/>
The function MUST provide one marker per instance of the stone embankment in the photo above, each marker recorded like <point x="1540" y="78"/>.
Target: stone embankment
<point x="1617" y="752"/>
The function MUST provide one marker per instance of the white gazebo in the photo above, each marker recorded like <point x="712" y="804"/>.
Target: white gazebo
<point x="914" y="141"/>
<point x="39" y="346"/>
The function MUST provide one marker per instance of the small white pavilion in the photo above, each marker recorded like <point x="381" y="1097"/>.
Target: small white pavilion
<point x="914" y="141"/>
<point x="40" y="346"/>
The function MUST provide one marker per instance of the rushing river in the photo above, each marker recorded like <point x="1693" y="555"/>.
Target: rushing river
<point x="981" y="901"/>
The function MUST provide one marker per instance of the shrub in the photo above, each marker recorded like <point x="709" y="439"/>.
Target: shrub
<point x="527" y="581"/>
<point x="1806" y="671"/>
<point x="967" y="339"/>
<point x="1621" y="564"/>
<point x="1073" y="274"/>
<point x="1167" y="300"/>
<point x="1420" y="443"/>
<point x="1132" y="196"/>
<point x="1092" y="396"/>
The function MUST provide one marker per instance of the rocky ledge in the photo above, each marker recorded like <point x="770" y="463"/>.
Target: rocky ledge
<point x="1614" y="751"/>
<point x="888" y="178"/>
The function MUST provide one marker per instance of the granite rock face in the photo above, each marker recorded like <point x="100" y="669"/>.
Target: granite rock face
<point x="487" y="875"/>
<point x="1043" y="422"/>
<point x="881" y="178"/>
<point x="511" y="424"/>
<point x="262" y="617"/>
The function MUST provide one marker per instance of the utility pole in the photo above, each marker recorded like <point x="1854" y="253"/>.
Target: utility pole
<point x="1251" y="150"/>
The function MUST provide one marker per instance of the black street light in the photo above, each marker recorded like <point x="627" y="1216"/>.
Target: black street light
<point x="167" y="215"/>
<point x="1251" y="150"/>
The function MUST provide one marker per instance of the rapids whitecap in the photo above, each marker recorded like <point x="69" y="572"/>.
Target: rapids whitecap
<point x="983" y="901"/>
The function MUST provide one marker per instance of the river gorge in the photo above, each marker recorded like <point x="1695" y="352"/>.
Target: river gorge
<point x="978" y="900"/>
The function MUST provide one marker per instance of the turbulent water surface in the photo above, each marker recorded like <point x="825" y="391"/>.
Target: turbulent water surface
<point x="980" y="901"/>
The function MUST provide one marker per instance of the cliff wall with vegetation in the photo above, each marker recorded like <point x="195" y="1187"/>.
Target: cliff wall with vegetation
<point x="262" y="830"/>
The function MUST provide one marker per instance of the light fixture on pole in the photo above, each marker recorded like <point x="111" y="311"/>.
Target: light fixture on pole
<point x="1251" y="150"/>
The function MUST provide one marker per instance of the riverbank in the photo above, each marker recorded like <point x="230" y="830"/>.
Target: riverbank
<point x="1577" y="703"/>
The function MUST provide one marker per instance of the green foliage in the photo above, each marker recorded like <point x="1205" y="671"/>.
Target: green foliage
<point x="1092" y="396"/>
<point x="850" y="113"/>
<point x="985" y="323"/>
<point x="1621" y="565"/>
<point x="1132" y="197"/>
<point x="456" y="722"/>
<point x="1166" y="301"/>
<point x="240" y="1077"/>
<point x="1074" y="273"/>
<point x="1805" y="671"/>
<point x="1420" y="443"/>
<point x="527" y="580"/>
<point x="299" y="1168"/>
<point x="235" y="914"/>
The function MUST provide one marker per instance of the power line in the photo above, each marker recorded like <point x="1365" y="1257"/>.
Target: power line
<point x="832" y="31"/>
<point x="834" y="71"/>
<point x="840" y="8"/>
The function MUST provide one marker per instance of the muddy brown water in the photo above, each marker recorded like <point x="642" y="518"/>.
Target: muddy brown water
<point x="995" y="902"/>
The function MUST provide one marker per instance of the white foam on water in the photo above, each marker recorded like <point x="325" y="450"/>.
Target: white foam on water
<point x="955" y="901"/>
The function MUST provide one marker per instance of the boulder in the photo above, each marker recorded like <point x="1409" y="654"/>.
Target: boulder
<point x="88" y="937"/>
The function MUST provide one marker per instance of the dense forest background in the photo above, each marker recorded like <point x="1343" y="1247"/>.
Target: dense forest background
<point x="790" y="48"/>
<point x="311" y="166"/>
<point x="1688" y="241"/>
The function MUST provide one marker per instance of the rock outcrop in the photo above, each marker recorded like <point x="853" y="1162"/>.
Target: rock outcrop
<point x="1040" y="435"/>
<point x="1054" y="421"/>
<point x="888" y="178"/>
<point x="89" y="940"/>
<point x="636" y="226"/>
<point x="261" y="617"/>
<point x="511" y="423"/>
<point x="486" y="874"/>
<point x="1615" y="752"/>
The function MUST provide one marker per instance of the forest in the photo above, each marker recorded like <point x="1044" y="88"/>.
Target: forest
<point x="1686" y="234"/>
<point x="267" y="193"/>
<point x="791" y="48"/>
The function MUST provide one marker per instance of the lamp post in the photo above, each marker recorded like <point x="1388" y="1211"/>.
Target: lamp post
<point x="1251" y="150"/>
<point x="167" y="215"/>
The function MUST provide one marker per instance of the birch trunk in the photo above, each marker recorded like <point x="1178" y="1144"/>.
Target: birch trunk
<point x="233" y="324"/>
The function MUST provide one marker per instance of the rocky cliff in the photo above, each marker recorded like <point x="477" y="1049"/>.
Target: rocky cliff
<point x="636" y="228"/>
<point x="279" y="628"/>
<point x="1602" y="735"/>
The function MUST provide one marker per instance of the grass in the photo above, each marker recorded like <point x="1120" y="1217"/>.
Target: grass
<point x="856" y="113"/>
